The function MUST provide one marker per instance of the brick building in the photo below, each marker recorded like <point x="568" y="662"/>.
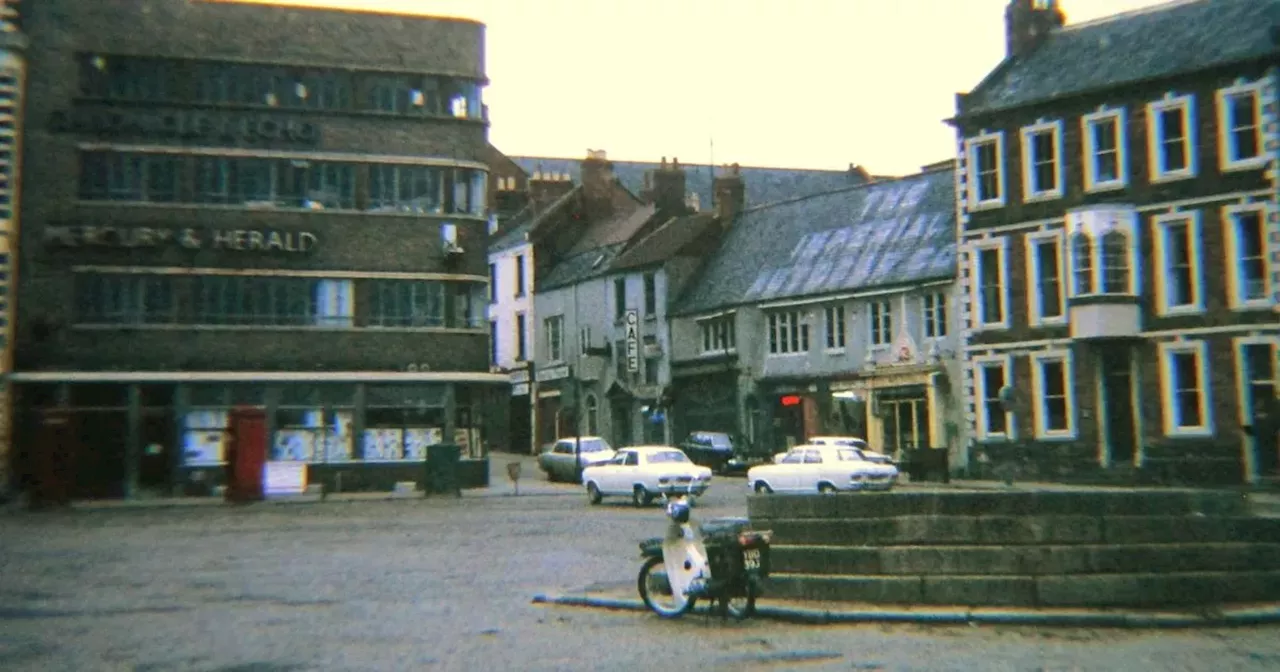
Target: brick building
<point x="1120" y="247"/>
<point x="231" y="205"/>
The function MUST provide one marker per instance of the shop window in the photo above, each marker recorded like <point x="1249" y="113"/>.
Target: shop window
<point x="204" y="437"/>
<point x="401" y="433"/>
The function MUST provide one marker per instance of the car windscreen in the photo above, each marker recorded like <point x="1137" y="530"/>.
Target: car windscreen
<point x="594" y="445"/>
<point x="662" y="456"/>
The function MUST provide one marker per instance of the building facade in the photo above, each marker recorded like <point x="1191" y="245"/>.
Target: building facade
<point x="279" y="211"/>
<point x="13" y="43"/>
<point x="828" y="314"/>
<point x="1120" y="245"/>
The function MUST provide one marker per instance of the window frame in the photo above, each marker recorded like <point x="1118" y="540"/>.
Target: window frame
<point x="935" y="310"/>
<point x="1166" y="350"/>
<point x="649" y="282"/>
<point x="1026" y="134"/>
<point x="1156" y="171"/>
<point x="1235" y="281"/>
<point x="522" y="336"/>
<point x="795" y="324"/>
<point x="1038" y="360"/>
<point x="1160" y="225"/>
<point x="521" y="286"/>
<point x="1244" y="398"/>
<point x="1035" y="302"/>
<point x="978" y="314"/>
<point x="555" y="350"/>
<point x="1226" y="136"/>
<point x="879" y="314"/>
<point x="1119" y="117"/>
<point x="709" y="335"/>
<point x="619" y="299"/>
<point x="971" y="146"/>
<point x="835" y="320"/>
<point x="980" y="364"/>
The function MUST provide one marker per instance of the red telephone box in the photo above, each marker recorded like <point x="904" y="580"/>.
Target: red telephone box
<point x="246" y="454"/>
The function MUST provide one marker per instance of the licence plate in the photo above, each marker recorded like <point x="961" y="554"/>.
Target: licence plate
<point x="751" y="558"/>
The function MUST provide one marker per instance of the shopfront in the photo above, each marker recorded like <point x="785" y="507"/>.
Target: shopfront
<point x="895" y="408"/>
<point x="705" y="399"/>
<point x="136" y="435"/>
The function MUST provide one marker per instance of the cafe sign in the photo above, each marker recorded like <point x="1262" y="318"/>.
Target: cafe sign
<point x="135" y="237"/>
<point x="186" y="125"/>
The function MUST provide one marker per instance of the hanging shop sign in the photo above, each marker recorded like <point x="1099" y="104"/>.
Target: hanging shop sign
<point x="134" y="237"/>
<point x="633" y="341"/>
<point x="187" y="124"/>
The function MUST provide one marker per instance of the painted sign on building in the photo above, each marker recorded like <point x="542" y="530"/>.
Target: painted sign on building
<point x="633" y="341"/>
<point x="130" y="237"/>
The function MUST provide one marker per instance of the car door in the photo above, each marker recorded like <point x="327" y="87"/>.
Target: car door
<point x="627" y="473"/>
<point x="562" y="459"/>
<point x="810" y="471"/>
<point x="611" y="474"/>
<point x="785" y="474"/>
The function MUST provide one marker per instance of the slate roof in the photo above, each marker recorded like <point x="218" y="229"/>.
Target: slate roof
<point x="666" y="241"/>
<point x="763" y="185"/>
<point x="580" y="268"/>
<point x="516" y="235"/>
<point x="1162" y="41"/>
<point x="877" y="235"/>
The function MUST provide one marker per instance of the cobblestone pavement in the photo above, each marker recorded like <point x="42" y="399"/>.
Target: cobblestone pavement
<point x="445" y="584"/>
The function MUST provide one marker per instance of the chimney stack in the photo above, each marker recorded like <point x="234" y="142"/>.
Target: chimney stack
<point x="730" y="194"/>
<point x="1027" y="23"/>
<point x="665" y="187"/>
<point x="597" y="183"/>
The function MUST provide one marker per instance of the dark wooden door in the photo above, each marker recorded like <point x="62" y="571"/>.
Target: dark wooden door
<point x="1117" y="404"/>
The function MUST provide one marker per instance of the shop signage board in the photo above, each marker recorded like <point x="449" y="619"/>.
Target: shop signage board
<point x="134" y="237"/>
<point x="633" y="341"/>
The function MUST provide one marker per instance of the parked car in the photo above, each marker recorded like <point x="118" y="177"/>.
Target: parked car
<point x="644" y="472"/>
<point x="558" y="461"/>
<point x="852" y="442"/>
<point x="817" y="468"/>
<point x="709" y="449"/>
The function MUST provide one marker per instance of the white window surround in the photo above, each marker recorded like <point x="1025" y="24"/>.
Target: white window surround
<point x="1242" y="385"/>
<point x="1038" y="392"/>
<point x="1001" y="246"/>
<point x="716" y="335"/>
<point x="1164" y="274"/>
<point x="1029" y="161"/>
<point x="789" y="331"/>
<point x="1234" y="252"/>
<point x="1226" y="141"/>
<point x="1034" y="307"/>
<point x="972" y="177"/>
<point x="1155" y="134"/>
<point x="1168" y="394"/>
<point x="981" y="394"/>
<point x="835" y="329"/>
<point x="553" y="335"/>
<point x="1092" y="183"/>
<point x="880" y="317"/>
<point x="935" y="308"/>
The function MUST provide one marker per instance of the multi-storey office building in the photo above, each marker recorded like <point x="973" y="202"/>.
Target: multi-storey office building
<point x="243" y="205"/>
<point x="1120" y="243"/>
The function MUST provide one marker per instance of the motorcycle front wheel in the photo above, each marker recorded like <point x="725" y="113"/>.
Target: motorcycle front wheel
<point x="655" y="590"/>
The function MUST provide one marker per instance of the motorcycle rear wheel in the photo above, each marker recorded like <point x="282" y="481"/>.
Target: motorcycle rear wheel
<point x="741" y="607"/>
<point x="668" y="605"/>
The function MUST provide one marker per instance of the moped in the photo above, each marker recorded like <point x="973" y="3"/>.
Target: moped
<point x="722" y="561"/>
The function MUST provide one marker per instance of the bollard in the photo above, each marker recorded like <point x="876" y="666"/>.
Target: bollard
<point x="513" y="472"/>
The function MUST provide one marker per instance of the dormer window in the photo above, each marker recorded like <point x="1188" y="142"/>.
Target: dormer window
<point x="1171" y="138"/>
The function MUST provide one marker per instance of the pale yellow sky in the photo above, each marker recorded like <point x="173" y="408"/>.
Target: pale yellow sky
<point x="804" y="83"/>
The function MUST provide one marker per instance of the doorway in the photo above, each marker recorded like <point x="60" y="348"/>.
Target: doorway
<point x="906" y="418"/>
<point x="159" y="453"/>
<point x="1119" y="416"/>
<point x="620" y="410"/>
<point x="1262" y="412"/>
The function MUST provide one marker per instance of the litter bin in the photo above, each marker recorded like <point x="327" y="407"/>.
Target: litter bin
<point x="442" y="469"/>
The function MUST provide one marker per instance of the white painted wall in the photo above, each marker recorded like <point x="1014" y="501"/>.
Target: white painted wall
<point x="505" y="304"/>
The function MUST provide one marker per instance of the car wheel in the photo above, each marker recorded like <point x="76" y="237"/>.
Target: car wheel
<point x="763" y="488"/>
<point x="827" y="488"/>
<point x="593" y="493"/>
<point x="641" y="497"/>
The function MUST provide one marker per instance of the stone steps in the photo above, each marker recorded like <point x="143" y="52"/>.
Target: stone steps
<point x="1003" y="530"/>
<point x="1023" y="561"/>
<point x="1141" y="590"/>
<point x="1093" y="502"/>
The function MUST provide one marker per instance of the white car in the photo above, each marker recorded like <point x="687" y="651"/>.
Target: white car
<point x="815" y="468"/>
<point x="644" y="472"/>
<point x="851" y="442"/>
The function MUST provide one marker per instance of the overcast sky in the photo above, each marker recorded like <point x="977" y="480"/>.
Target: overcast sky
<point x="798" y="83"/>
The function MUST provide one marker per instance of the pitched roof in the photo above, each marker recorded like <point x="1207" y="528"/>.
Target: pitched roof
<point x="618" y="229"/>
<point x="515" y="231"/>
<point x="763" y="185"/>
<point x="579" y="267"/>
<point x="877" y="235"/>
<point x="1162" y="41"/>
<point x="665" y="241"/>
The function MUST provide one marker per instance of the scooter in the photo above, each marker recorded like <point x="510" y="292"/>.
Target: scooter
<point x="722" y="561"/>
